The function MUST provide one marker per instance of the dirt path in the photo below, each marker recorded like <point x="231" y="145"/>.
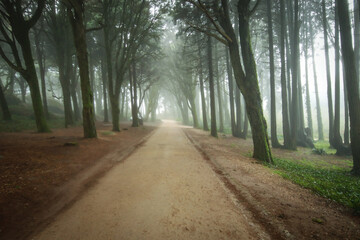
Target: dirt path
<point x="165" y="190"/>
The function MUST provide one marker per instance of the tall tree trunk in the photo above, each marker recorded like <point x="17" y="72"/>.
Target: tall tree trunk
<point x="105" y="98"/>
<point x="76" y="14"/>
<point x="341" y="149"/>
<point x="308" y="102"/>
<point x="211" y="86"/>
<point x="4" y="106"/>
<point x="352" y="82"/>
<point x="357" y="35"/>
<point x="318" y="107"/>
<point x="192" y="107"/>
<point x="203" y="103"/>
<point x="328" y="76"/>
<point x="219" y="95"/>
<point x="42" y="69"/>
<point x="346" y="124"/>
<point x="294" y="60"/>
<point x="65" y="86"/>
<point x="248" y="84"/>
<point x="274" y="140"/>
<point x="134" y="106"/>
<point x="114" y="100"/>
<point x="32" y="80"/>
<point x="285" y="109"/>
<point x="73" y="91"/>
<point x="231" y="92"/>
<point x="239" y="120"/>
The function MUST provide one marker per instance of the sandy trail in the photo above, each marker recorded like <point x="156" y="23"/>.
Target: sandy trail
<point x="165" y="190"/>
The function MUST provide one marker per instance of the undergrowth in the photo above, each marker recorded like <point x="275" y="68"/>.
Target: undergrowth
<point x="333" y="183"/>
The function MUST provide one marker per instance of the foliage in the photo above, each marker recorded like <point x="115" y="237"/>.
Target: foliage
<point x="325" y="146"/>
<point x="329" y="181"/>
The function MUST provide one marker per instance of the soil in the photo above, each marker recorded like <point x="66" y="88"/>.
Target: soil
<point x="177" y="183"/>
<point x="164" y="190"/>
<point x="41" y="174"/>
<point x="286" y="210"/>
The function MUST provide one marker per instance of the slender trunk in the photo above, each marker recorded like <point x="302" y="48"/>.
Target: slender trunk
<point x="308" y="102"/>
<point x="105" y="98"/>
<point x="274" y="140"/>
<point x="4" y="106"/>
<point x="346" y="124"/>
<point x="74" y="86"/>
<point x="65" y="86"/>
<point x="249" y="84"/>
<point x="211" y="86"/>
<point x="231" y="92"/>
<point x="295" y="58"/>
<point x="134" y="107"/>
<point x="239" y="120"/>
<point x="76" y="18"/>
<point x="328" y="75"/>
<point x="32" y="80"/>
<point x="41" y="63"/>
<point x="193" y="112"/>
<point x="341" y="149"/>
<point x="203" y="103"/>
<point x="352" y="82"/>
<point x="113" y="99"/>
<point x="318" y="107"/>
<point x="219" y="95"/>
<point x="357" y="35"/>
<point x="285" y="109"/>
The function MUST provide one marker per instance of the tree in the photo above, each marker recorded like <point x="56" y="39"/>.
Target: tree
<point x="318" y="107"/>
<point x="21" y="16"/>
<point x="274" y="140"/>
<point x="59" y="32"/>
<point x="328" y="76"/>
<point x="285" y="109"/>
<point x="75" y="10"/>
<point x="211" y="86"/>
<point x="40" y="53"/>
<point x="4" y="106"/>
<point x="201" y="82"/>
<point x="352" y="81"/>
<point x="245" y="74"/>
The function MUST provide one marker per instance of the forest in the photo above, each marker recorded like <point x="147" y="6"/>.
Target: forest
<point x="271" y="81"/>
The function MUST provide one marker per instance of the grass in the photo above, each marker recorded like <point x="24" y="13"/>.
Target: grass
<point x="23" y="119"/>
<point x="325" y="145"/>
<point x="331" y="182"/>
<point x="21" y="123"/>
<point x="108" y="133"/>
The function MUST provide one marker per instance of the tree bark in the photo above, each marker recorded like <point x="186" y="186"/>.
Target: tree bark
<point x="328" y="75"/>
<point x="248" y="84"/>
<point x="203" y="103"/>
<point x="4" y="106"/>
<point x="42" y="69"/>
<point x="274" y="140"/>
<point x="76" y="14"/>
<point x="285" y="109"/>
<point x="295" y="64"/>
<point x="352" y="82"/>
<point x="134" y="106"/>
<point x="73" y="91"/>
<point x="105" y="98"/>
<point x="211" y="86"/>
<point x="318" y="107"/>
<point x="341" y="149"/>
<point x="231" y="92"/>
